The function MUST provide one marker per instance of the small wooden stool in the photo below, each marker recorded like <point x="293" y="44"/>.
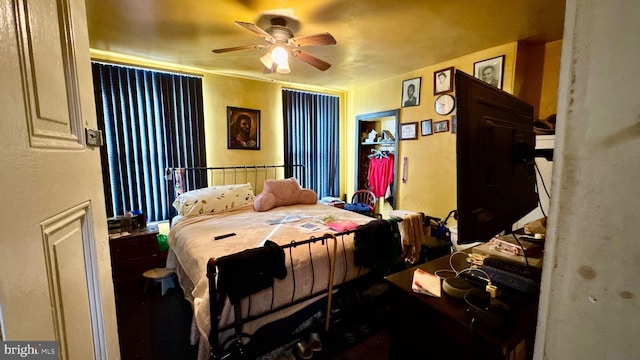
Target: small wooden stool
<point x="160" y="275"/>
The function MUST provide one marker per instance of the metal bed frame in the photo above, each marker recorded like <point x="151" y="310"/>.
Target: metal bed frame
<point x="223" y="175"/>
<point x="217" y="350"/>
<point x="231" y="174"/>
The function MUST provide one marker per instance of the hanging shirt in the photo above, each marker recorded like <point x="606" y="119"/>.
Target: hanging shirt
<point x="381" y="174"/>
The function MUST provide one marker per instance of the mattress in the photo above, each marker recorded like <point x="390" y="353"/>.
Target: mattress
<point x="192" y="242"/>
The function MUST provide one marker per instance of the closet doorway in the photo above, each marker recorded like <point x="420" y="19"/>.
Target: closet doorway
<point x="376" y="150"/>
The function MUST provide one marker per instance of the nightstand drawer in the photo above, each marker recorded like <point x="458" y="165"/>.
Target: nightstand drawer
<point x="134" y="246"/>
<point x="134" y="267"/>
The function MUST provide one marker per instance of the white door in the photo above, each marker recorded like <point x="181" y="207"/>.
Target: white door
<point x="55" y="270"/>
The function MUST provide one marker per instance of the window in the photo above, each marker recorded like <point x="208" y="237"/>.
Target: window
<point x="311" y="138"/>
<point x="151" y="121"/>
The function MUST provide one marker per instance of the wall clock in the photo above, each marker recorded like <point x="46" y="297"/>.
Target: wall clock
<point x="444" y="104"/>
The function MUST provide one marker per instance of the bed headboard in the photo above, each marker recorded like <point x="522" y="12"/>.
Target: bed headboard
<point x="186" y="179"/>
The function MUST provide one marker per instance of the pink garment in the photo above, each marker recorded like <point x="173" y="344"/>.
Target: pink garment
<point x="380" y="174"/>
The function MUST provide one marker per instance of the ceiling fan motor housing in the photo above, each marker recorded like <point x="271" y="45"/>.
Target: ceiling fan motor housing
<point x="279" y="30"/>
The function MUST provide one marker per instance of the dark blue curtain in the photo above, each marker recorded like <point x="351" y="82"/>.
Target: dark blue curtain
<point x="150" y="121"/>
<point x="311" y="138"/>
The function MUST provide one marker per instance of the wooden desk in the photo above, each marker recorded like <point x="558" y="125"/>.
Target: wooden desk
<point x="443" y="325"/>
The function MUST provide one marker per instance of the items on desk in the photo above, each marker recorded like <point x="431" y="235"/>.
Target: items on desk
<point x="426" y="283"/>
<point x="488" y="250"/>
<point x="506" y="275"/>
<point x="519" y="247"/>
<point x="484" y="312"/>
<point x="456" y="287"/>
<point x="536" y="227"/>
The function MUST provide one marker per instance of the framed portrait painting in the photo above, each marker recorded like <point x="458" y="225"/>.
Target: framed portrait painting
<point x="411" y="92"/>
<point x="243" y="128"/>
<point x="443" y="81"/>
<point x="490" y="71"/>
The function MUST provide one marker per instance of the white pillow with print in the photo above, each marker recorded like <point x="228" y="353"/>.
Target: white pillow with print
<point x="214" y="199"/>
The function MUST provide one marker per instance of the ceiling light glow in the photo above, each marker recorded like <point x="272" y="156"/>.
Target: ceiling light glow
<point x="279" y="55"/>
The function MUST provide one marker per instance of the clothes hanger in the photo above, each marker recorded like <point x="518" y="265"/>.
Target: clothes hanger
<point x="378" y="154"/>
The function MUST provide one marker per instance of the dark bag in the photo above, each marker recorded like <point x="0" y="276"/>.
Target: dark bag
<point x="250" y="271"/>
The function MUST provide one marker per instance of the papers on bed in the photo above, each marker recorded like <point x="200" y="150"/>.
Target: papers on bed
<point x="426" y="283"/>
<point x="286" y="219"/>
<point x="310" y="224"/>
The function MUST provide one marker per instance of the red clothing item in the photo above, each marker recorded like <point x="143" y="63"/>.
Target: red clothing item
<point x="380" y="174"/>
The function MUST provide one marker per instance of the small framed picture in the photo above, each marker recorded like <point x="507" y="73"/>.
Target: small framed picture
<point x="443" y="81"/>
<point x="243" y="128"/>
<point x="490" y="71"/>
<point x="411" y="92"/>
<point x="454" y="124"/>
<point x="409" y="131"/>
<point x="425" y="126"/>
<point x="441" y="126"/>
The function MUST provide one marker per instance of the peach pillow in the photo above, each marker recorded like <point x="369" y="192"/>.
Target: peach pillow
<point x="281" y="193"/>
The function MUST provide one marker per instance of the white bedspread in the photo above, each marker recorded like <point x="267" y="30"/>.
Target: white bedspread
<point x="191" y="242"/>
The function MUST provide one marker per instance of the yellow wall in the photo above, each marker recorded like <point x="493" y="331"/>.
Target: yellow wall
<point x="222" y="91"/>
<point x="550" y="77"/>
<point x="431" y="174"/>
<point x="430" y="185"/>
<point x="537" y="76"/>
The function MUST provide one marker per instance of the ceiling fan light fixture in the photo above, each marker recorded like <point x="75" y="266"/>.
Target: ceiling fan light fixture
<point x="267" y="60"/>
<point x="284" y="68"/>
<point x="279" y="55"/>
<point x="282" y="43"/>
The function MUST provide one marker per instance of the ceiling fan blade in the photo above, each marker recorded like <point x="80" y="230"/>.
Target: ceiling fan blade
<point x="310" y="59"/>
<point x="235" y="48"/>
<point x="313" y="40"/>
<point x="255" y="29"/>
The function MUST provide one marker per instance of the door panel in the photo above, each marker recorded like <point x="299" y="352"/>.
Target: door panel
<point x="48" y="69"/>
<point x="55" y="269"/>
<point x="70" y="270"/>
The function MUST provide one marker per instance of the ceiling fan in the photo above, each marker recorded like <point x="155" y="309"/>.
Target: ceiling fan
<point x="282" y="43"/>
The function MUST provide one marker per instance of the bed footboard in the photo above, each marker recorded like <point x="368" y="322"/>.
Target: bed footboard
<point x="233" y="347"/>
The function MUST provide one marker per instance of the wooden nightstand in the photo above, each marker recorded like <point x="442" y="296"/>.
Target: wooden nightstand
<point x="131" y="256"/>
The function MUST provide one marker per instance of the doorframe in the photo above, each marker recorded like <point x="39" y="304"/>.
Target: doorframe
<point x="395" y="113"/>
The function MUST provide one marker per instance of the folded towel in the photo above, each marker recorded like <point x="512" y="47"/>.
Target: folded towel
<point x="412" y="234"/>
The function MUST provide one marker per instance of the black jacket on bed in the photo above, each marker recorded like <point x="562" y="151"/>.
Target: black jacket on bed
<point x="250" y="271"/>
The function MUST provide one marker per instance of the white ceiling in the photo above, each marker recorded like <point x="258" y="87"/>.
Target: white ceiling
<point x="376" y="39"/>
